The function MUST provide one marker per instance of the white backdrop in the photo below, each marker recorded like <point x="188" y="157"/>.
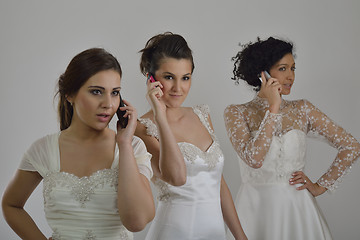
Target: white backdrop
<point x="39" y="38"/>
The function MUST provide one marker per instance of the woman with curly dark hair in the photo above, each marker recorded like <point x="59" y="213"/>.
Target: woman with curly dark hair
<point x="194" y="200"/>
<point x="276" y="199"/>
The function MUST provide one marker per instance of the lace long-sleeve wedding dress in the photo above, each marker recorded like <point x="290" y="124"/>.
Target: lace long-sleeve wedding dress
<point x="270" y="148"/>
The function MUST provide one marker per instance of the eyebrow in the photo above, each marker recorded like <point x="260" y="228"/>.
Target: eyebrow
<point x="116" y="88"/>
<point x="285" y="64"/>
<point x="164" y="73"/>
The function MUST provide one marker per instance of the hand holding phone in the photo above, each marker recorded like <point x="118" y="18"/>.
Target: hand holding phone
<point x="267" y="76"/>
<point x="150" y="78"/>
<point x="123" y="121"/>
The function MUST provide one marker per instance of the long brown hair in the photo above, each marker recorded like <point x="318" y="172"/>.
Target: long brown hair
<point x="83" y="66"/>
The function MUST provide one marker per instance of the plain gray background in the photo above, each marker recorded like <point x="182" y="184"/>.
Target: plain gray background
<point x="39" y="38"/>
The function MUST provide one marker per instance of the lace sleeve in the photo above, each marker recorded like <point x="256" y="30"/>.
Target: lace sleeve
<point x="251" y="149"/>
<point x="348" y="147"/>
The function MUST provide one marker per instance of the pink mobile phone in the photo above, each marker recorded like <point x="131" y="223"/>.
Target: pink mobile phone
<point x="150" y="77"/>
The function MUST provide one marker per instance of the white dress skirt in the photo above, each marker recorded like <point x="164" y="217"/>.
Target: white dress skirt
<point x="269" y="208"/>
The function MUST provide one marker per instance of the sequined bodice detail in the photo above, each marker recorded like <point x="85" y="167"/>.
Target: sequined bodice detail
<point x="82" y="188"/>
<point x="210" y="157"/>
<point x="79" y="208"/>
<point x="204" y="168"/>
<point x="275" y="143"/>
<point x="71" y="198"/>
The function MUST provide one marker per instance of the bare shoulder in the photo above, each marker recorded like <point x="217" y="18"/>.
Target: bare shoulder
<point x="187" y="110"/>
<point x="189" y="114"/>
<point x="149" y="115"/>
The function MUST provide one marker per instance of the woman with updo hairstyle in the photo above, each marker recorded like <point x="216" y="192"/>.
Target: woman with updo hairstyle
<point x="276" y="200"/>
<point x="193" y="198"/>
<point x="95" y="180"/>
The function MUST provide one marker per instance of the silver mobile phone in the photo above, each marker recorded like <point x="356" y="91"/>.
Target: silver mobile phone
<point x="267" y="75"/>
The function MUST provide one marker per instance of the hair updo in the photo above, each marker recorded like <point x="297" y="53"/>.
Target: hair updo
<point x="257" y="57"/>
<point x="165" y="45"/>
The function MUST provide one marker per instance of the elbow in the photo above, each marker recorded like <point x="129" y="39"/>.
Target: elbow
<point x="137" y="224"/>
<point x="175" y="181"/>
<point x="256" y="165"/>
<point x="178" y="182"/>
<point x="357" y="149"/>
<point x="6" y="208"/>
<point x="135" y="227"/>
<point x="9" y="211"/>
<point x="136" y="219"/>
<point x="177" y="178"/>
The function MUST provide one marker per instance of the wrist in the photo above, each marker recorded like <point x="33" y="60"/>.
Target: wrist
<point x="124" y="142"/>
<point x="160" y="118"/>
<point x="320" y="189"/>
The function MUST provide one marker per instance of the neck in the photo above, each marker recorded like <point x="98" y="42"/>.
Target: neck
<point x="261" y="95"/>
<point x="84" y="133"/>
<point x="174" y="114"/>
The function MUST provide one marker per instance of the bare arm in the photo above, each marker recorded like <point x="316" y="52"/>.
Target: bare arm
<point x="167" y="160"/>
<point x="135" y="200"/>
<point x="229" y="212"/>
<point x="16" y="194"/>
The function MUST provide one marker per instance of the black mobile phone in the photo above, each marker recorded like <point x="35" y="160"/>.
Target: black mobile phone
<point x="120" y="114"/>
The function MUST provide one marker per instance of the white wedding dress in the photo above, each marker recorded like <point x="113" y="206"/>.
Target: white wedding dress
<point x="268" y="206"/>
<point x="191" y="211"/>
<point x="81" y="208"/>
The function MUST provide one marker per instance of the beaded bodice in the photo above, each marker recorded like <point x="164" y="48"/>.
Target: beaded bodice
<point x="81" y="208"/>
<point x="204" y="168"/>
<point x="260" y="138"/>
<point x="70" y="198"/>
<point x="81" y="189"/>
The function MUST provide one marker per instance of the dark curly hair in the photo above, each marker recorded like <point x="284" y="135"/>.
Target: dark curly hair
<point x="257" y="57"/>
<point x="162" y="46"/>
